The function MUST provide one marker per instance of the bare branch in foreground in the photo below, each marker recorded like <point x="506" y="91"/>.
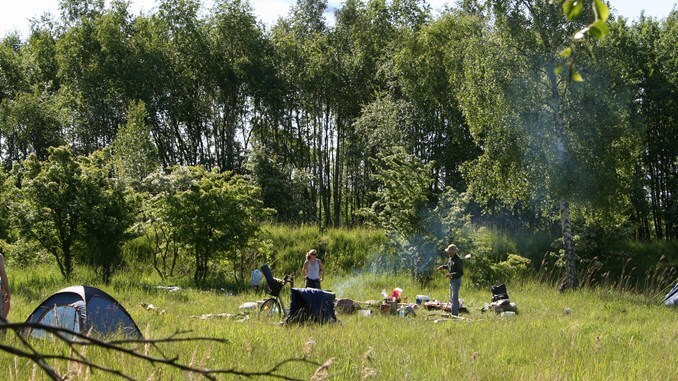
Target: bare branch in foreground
<point x="76" y="341"/>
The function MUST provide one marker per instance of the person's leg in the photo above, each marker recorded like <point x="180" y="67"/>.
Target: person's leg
<point x="309" y="283"/>
<point x="455" y="285"/>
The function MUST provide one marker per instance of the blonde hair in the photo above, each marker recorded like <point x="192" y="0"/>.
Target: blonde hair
<point x="312" y="251"/>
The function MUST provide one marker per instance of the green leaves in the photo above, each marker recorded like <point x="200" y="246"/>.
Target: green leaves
<point x="404" y="183"/>
<point x="601" y="10"/>
<point x="565" y="53"/>
<point x="599" y="29"/>
<point x="208" y="213"/>
<point x="573" y="9"/>
<point x="574" y="76"/>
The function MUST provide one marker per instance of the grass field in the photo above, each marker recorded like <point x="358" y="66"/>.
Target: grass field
<point x="606" y="335"/>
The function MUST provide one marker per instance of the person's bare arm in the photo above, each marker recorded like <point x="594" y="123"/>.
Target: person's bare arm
<point x="304" y="269"/>
<point x="322" y="269"/>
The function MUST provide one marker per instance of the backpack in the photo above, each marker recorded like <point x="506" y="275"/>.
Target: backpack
<point x="499" y="292"/>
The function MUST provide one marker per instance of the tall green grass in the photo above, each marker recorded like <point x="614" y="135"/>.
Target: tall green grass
<point x="607" y="334"/>
<point x="343" y="249"/>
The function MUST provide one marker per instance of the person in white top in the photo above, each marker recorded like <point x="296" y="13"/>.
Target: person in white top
<point x="313" y="270"/>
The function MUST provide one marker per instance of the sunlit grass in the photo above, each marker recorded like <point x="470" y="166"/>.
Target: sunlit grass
<point x="606" y="335"/>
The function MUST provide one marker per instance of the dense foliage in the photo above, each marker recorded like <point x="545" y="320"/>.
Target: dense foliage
<point x="189" y="127"/>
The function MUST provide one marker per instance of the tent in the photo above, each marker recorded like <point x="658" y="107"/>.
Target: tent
<point x="311" y="304"/>
<point x="83" y="309"/>
<point x="671" y="299"/>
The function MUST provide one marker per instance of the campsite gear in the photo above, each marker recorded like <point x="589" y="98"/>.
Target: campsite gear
<point x="395" y="294"/>
<point x="274" y="307"/>
<point x="500" y="300"/>
<point x="385" y="308"/>
<point x="447" y="306"/>
<point x="274" y="285"/>
<point x="671" y="299"/>
<point x="347" y="306"/>
<point x="421" y="299"/>
<point x="389" y="307"/>
<point x="248" y="306"/>
<point x="504" y="305"/>
<point x="406" y="311"/>
<point x="85" y="310"/>
<point x="306" y="304"/>
<point x="499" y="292"/>
<point x="311" y="305"/>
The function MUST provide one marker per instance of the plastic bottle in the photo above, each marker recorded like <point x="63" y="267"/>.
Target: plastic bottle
<point x="401" y="311"/>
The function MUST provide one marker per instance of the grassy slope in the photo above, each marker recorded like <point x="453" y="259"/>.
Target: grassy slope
<point x="606" y="336"/>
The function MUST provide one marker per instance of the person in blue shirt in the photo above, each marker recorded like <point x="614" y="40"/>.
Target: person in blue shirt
<point x="455" y="270"/>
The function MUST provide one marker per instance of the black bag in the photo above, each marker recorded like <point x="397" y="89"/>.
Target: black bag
<point x="499" y="292"/>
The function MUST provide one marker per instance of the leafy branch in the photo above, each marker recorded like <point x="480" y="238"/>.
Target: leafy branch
<point x="76" y="341"/>
<point x="598" y="29"/>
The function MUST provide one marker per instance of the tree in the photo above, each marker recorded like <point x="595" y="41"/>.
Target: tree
<point x="650" y="68"/>
<point x="238" y="73"/>
<point x="281" y="188"/>
<point x="134" y="154"/>
<point x="67" y="204"/>
<point x="538" y="135"/>
<point x="212" y="214"/>
<point x="93" y="55"/>
<point x="5" y="195"/>
<point x="33" y="123"/>
<point x="404" y="186"/>
<point x="108" y="213"/>
<point x="48" y="206"/>
<point x="429" y="66"/>
<point x="598" y="29"/>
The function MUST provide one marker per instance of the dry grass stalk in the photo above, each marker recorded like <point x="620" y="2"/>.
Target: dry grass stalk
<point x="322" y="373"/>
<point x="308" y="346"/>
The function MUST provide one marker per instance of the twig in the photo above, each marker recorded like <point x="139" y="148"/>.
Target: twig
<point x="75" y="340"/>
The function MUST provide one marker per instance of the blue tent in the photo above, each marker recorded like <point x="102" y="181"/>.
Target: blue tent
<point x="671" y="299"/>
<point x="85" y="310"/>
<point x="311" y="305"/>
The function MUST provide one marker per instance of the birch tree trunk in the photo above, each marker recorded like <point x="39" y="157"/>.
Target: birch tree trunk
<point x="572" y="280"/>
<point x="565" y="222"/>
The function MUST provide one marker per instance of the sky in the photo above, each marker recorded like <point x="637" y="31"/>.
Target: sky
<point x="15" y="14"/>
